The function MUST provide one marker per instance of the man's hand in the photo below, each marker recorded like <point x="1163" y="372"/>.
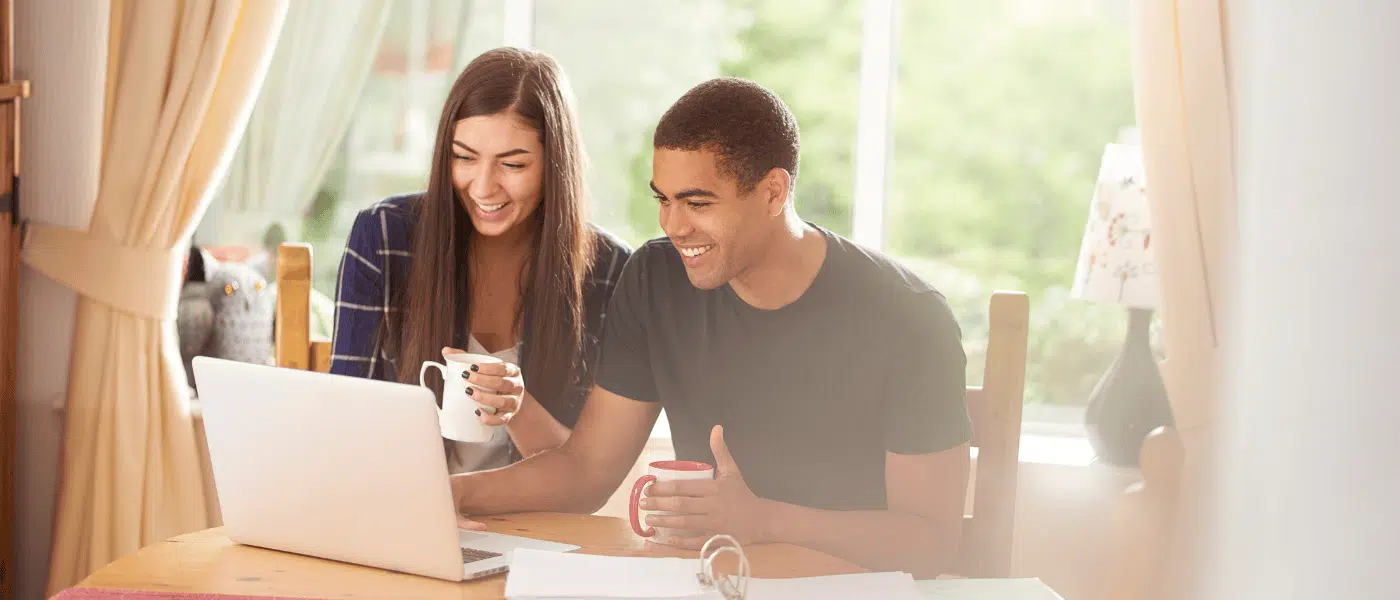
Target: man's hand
<point x="461" y="485"/>
<point x="723" y="505"/>
<point x="465" y="523"/>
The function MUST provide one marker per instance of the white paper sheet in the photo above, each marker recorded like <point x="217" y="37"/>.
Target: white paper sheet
<point x="986" y="589"/>
<point x="539" y="575"/>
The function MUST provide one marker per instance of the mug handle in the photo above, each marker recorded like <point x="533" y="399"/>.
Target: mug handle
<point x="422" y="381"/>
<point x="423" y="372"/>
<point x="632" y="506"/>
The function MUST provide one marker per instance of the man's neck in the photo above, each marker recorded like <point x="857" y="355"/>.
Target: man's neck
<point x="786" y="269"/>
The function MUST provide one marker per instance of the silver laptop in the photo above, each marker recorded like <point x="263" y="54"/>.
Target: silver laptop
<point x="340" y="468"/>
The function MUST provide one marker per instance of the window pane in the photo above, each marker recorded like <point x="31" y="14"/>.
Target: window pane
<point x="1003" y="108"/>
<point x="388" y="148"/>
<point x="628" y="60"/>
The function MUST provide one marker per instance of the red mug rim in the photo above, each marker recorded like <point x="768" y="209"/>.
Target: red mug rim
<point x="681" y="465"/>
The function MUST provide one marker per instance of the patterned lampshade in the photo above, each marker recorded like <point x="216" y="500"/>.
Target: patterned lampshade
<point x="1116" y="262"/>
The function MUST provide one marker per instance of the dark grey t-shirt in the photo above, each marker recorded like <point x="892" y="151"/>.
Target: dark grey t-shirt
<point x="868" y="360"/>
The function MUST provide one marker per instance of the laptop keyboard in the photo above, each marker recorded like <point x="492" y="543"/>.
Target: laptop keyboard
<point x="471" y="555"/>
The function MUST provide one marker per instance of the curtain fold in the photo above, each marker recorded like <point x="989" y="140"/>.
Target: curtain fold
<point x="318" y="71"/>
<point x="178" y="96"/>
<point x="1182" y="87"/>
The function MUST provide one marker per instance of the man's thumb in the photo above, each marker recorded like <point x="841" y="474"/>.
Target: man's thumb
<point x="724" y="462"/>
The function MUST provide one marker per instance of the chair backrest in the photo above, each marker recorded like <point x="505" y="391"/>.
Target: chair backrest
<point x="995" y="408"/>
<point x="295" y="348"/>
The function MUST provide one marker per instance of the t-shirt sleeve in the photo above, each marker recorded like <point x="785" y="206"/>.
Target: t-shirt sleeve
<point x="928" y="382"/>
<point x="624" y="361"/>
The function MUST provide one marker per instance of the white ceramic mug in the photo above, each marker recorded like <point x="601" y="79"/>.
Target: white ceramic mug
<point x="457" y="416"/>
<point x="664" y="470"/>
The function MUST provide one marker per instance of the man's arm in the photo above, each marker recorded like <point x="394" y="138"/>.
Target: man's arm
<point x="579" y="475"/>
<point x="918" y="532"/>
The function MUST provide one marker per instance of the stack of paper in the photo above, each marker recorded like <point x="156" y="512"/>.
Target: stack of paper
<point x="986" y="589"/>
<point x="540" y="575"/>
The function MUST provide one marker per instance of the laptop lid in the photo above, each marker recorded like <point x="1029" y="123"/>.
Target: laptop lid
<point x="337" y="467"/>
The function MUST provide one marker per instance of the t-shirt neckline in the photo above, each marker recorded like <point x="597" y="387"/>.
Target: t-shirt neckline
<point x="819" y="280"/>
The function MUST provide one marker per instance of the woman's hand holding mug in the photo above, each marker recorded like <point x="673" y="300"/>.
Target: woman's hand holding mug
<point x="498" y="387"/>
<point x="479" y="393"/>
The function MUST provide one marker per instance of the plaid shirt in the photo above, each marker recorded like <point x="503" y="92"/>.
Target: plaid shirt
<point x="377" y="256"/>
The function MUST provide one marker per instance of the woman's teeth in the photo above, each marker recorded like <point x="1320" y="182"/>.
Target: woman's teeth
<point x="694" y="252"/>
<point x="490" y="208"/>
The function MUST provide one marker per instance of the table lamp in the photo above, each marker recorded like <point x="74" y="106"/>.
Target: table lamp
<point x="1116" y="266"/>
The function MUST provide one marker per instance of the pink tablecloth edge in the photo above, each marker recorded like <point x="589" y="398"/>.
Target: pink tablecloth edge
<point x="81" y="593"/>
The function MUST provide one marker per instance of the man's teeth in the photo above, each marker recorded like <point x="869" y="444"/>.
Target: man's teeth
<point x="694" y="252"/>
<point x="490" y="208"/>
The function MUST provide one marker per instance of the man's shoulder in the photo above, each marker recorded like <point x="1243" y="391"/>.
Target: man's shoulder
<point x="876" y="271"/>
<point x="655" y="268"/>
<point x="895" y="291"/>
<point x="657" y="257"/>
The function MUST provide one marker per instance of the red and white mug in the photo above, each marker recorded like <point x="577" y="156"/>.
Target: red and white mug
<point x="664" y="470"/>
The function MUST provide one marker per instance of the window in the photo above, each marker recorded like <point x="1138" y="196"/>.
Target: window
<point x="389" y="146"/>
<point x="960" y="137"/>
<point x="1001" y="112"/>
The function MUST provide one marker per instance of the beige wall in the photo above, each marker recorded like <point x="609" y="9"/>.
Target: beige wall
<point x="61" y="47"/>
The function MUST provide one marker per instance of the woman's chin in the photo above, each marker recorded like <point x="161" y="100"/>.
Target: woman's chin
<point x="494" y="224"/>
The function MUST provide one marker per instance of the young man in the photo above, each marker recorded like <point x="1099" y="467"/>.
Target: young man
<point x="823" y="381"/>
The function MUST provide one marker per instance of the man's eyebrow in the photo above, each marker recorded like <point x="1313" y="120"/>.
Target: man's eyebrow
<point x="686" y="193"/>
<point x="695" y="193"/>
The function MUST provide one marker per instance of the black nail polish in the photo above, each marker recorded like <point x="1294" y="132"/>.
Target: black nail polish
<point x="478" y="412"/>
<point x="475" y="368"/>
<point x="466" y="375"/>
<point x="470" y="391"/>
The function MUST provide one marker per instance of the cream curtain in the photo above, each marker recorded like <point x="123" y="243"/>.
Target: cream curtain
<point x="1182" y="86"/>
<point x="181" y="80"/>
<point x="319" y="68"/>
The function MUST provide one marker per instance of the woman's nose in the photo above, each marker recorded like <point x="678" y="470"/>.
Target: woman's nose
<point x="483" y="183"/>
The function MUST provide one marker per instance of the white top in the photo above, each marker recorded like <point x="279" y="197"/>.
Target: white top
<point x="466" y="457"/>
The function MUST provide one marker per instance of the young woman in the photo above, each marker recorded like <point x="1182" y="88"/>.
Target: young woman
<point x="495" y="257"/>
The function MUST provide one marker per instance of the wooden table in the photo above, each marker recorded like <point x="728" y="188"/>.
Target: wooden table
<point x="208" y="562"/>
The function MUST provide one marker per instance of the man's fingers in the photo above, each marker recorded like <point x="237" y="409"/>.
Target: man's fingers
<point x="685" y="522"/>
<point x="465" y="523"/>
<point x="676" y="504"/>
<point x="692" y="487"/>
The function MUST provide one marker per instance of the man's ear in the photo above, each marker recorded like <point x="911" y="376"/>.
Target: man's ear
<point x="777" y="189"/>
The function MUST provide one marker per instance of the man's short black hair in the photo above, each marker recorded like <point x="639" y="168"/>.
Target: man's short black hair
<point x="746" y="125"/>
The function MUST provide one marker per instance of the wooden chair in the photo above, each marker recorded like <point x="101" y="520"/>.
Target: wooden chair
<point x="995" y="408"/>
<point x="1137" y="555"/>
<point x="292" y="337"/>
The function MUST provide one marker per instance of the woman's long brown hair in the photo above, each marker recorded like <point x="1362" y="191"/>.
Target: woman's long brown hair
<point x="431" y="304"/>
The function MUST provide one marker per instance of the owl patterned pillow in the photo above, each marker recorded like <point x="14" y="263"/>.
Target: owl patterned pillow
<point x="228" y="315"/>
<point x="244" y="306"/>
